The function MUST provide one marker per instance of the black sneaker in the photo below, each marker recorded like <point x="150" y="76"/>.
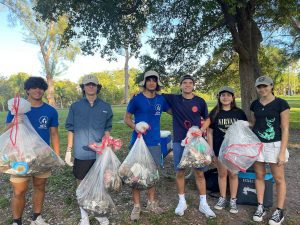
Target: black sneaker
<point x="221" y="204"/>
<point x="260" y="212"/>
<point x="277" y="217"/>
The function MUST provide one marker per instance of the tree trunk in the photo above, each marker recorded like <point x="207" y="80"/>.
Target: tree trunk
<point x="50" y="91"/>
<point x="61" y="102"/>
<point x="126" y="67"/>
<point x="246" y="39"/>
<point x="247" y="80"/>
<point x="3" y="108"/>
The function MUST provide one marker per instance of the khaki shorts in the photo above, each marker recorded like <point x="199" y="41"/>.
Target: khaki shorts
<point x="20" y="179"/>
<point x="270" y="153"/>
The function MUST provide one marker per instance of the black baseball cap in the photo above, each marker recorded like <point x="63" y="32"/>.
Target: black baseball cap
<point x="185" y="77"/>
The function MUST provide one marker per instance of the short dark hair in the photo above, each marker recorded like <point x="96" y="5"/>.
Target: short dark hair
<point x="35" y="82"/>
<point x="186" y="77"/>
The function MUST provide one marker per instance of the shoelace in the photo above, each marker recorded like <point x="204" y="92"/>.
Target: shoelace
<point x="259" y="210"/>
<point x="233" y="204"/>
<point x="221" y="202"/>
<point x="276" y="215"/>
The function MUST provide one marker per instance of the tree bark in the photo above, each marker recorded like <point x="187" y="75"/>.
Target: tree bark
<point x="50" y="91"/>
<point x="126" y="67"/>
<point x="246" y="39"/>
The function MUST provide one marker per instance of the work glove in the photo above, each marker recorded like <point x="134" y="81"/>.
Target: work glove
<point x="141" y="127"/>
<point x="68" y="157"/>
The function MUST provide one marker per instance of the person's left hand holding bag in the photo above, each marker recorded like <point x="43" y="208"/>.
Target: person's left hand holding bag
<point x="68" y="156"/>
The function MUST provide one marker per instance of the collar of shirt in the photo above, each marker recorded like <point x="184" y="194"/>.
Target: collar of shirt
<point x="95" y="102"/>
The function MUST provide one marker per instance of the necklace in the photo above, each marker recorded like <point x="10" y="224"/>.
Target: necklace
<point x="149" y="102"/>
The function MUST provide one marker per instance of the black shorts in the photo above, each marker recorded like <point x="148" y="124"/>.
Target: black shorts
<point x="82" y="167"/>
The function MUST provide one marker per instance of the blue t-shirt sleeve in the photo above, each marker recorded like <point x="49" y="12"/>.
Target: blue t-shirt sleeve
<point x="166" y="106"/>
<point x="54" y="120"/>
<point x="131" y="108"/>
<point x="70" y="120"/>
<point x="9" y="117"/>
<point x="169" y="99"/>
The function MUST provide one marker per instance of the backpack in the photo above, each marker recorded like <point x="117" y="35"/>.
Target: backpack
<point x="211" y="177"/>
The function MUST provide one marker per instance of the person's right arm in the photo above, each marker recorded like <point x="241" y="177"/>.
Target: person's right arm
<point x="9" y="121"/>
<point x="8" y="126"/>
<point x="210" y="137"/>
<point x="128" y="120"/>
<point x="70" y="127"/>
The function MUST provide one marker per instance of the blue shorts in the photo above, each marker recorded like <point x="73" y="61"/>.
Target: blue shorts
<point x="177" y="154"/>
<point x="155" y="153"/>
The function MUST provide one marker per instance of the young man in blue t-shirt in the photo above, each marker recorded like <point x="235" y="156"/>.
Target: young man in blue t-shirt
<point x="44" y="119"/>
<point x="147" y="106"/>
<point x="187" y="110"/>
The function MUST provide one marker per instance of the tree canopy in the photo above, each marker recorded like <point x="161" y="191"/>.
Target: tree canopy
<point x="48" y="36"/>
<point x="185" y="31"/>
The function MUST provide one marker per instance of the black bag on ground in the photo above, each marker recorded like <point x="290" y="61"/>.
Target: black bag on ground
<point x="211" y="177"/>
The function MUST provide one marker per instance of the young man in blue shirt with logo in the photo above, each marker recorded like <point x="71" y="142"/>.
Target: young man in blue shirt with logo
<point x="89" y="119"/>
<point x="187" y="110"/>
<point x="147" y="106"/>
<point x="44" y="119"/>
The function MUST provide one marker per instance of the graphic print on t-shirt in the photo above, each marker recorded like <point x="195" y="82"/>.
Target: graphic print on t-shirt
<point x="194" y="109"/>
<point x="43" y="120"/>
<point x="269" y="133"/>
<point x="225" y="122"/>
<point x="157" y="109"/>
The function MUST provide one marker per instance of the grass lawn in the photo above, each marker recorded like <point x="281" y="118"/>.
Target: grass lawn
<point x="123" y="132"/>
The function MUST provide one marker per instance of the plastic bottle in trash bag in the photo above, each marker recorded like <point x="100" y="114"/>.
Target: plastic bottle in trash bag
<point x="22" y="150"/>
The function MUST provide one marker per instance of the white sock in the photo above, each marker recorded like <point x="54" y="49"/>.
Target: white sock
<point x="136" y="205"/>
<point x="203" y="200"/>
<point x="83" y="213"/>
<point x="181" y="197"/>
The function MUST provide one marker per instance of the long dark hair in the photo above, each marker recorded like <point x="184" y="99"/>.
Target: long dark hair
<point x="158" y="88"/>
<point x="215" y="111"/>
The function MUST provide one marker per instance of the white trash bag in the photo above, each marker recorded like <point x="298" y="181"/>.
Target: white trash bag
<point x="92" y="193"/>
<point x="22" y="150"/>
<point x="139" y="170"/>
<point x="240" y="147"/>
<point x="197" y="153"/>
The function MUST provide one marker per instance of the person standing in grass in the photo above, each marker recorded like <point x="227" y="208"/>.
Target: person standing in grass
<point x="224" y="114"/>
<point x="44" y="119"/>
<point x="271" y="125"/>
<point x="147" y="106"/>
<point x="187" y="110"/>
<point x="89" y="119"/>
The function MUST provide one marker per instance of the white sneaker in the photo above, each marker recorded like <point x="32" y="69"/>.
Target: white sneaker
<point x="180" y="208"/>
<point x="102" y="220"/>
<point x="204" y="208"/>
<point x="84" y="221"/>
<point x="39" y="221"/>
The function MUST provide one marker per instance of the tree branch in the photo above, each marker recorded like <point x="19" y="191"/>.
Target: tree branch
<point x="191" y="44"/>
